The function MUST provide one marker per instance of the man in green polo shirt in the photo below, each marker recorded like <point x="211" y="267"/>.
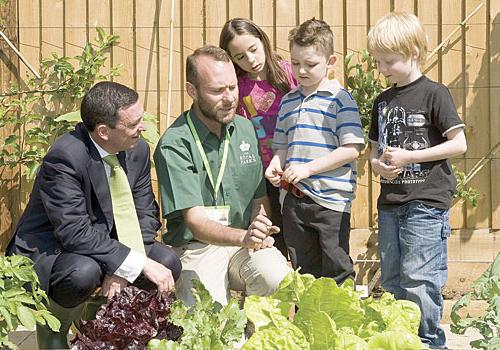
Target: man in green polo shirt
<point x="213" y="190"/>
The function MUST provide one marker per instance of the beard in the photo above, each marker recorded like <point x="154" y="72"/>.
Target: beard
<point x="218" y="115"/>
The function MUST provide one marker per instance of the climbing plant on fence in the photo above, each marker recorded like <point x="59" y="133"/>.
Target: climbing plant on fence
<point x="31" y="110"/>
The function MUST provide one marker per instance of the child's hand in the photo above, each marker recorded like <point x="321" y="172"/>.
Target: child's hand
<point x="295" y="173"/>
<point x="397" y="157"/>
<point x="273" y="174"/>
<point x="381" y="167"/>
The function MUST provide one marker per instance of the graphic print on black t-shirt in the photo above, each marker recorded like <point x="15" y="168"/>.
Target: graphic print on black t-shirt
<point x="414" y="117"/>
<point x="403" y="129"/>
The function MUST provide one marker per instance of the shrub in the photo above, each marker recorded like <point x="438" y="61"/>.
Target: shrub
<point x="486" y="287"/>
<point x="21" y="299"/>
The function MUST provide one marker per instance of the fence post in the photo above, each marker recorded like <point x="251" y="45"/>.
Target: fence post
<point x="9" y="71"/>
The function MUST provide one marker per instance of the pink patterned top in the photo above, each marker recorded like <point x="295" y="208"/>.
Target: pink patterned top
<point x="260" y="102"/>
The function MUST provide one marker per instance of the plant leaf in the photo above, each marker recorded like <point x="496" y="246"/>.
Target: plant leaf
<point x="70" y="117"/>
<point x="26" y="317"/>
<point x="7" y="317"/>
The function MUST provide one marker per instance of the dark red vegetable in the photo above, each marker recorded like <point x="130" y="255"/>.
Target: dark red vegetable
<point x="129" y="321"/>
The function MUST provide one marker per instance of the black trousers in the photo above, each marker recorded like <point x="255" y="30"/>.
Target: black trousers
<point x="276" y="217"/>
<point x="75" y="277"/>
<point x="317" y="238"/>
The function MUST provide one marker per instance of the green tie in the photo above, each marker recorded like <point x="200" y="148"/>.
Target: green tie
<point x="124" y="213"/>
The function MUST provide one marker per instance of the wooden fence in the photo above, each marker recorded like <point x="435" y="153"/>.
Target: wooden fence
<point x="156" y="36"/>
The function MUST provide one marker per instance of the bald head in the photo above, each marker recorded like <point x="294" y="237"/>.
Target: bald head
<point x="209" y="51"/>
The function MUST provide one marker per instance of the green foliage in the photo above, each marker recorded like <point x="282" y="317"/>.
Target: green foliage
<point x="364" y="83"/>
<point x="486" y="287"/>
<point x="19" y="306"/>
<point x="31" y="112"/>
<point x="206" y="326"/>
<point x="464" y="192"/>
<point x="330" y="317"/>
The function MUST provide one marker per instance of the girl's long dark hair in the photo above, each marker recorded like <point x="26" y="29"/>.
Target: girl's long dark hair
<point x="275" y="74"/>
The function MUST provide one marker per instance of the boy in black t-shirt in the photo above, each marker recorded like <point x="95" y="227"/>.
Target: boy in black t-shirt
<point x="415" y="128"/>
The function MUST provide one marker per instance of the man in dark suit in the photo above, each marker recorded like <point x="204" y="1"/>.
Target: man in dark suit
<point x="68" y="228"/>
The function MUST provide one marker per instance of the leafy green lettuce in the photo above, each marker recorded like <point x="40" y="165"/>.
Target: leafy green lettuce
<point x="394" y="340"/>
<point x="330" y="317"/>
<point x="206" y="325"/>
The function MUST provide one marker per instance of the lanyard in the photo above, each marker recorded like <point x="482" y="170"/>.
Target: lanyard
<point x="222" y="167"/>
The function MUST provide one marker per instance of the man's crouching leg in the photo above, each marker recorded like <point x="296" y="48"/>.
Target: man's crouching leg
<point x="258" y="272"/>
<point x="73" y="279"/>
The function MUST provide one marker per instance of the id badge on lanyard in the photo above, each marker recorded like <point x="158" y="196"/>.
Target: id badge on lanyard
<point x="217" y="213"/>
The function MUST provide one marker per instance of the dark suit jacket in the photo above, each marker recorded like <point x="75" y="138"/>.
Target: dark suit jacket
<point x="70" y="206"/>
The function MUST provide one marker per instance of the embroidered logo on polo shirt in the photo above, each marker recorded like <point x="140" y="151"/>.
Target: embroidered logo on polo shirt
<point x="246" y="157"/>
<point x="244" y="147"/>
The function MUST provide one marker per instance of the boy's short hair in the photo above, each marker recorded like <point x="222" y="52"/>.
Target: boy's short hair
<point x="313" y="32"/>
<point x="400" y="33"/>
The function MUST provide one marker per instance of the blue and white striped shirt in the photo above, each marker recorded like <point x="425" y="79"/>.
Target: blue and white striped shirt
<point x="310" y="127"/>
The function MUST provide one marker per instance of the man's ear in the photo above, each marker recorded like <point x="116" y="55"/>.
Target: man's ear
<point x="331" y="60"/>
<point x="102" y="131"/>
<point x="191" y="90"/>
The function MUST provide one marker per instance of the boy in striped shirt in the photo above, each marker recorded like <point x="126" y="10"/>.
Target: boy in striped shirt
<point x="317" y="140"/>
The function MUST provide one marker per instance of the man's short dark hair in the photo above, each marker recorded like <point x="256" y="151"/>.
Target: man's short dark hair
<point x="216" y="53"/>
<point x="103" y="101"/>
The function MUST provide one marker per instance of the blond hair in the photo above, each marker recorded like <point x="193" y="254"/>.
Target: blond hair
<point x="400" y="33"/>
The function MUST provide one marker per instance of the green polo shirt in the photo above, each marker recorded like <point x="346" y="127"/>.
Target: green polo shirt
<point x="184" y="182"/>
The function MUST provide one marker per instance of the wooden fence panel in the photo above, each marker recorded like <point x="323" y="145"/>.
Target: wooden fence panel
<point x="123" y="19"/>
<point x="403" y="6"/>
<point x="308" y="9"/>
<point x="356" y="29"/>
<point x="10" y="203"/>
<point x="468" y="62"/>
<point x="52" y="27"/>
<point x="451" y="65"/>
<point x="214" y="20"/>
<point x="333" y="14"/>
<point x="263" y="13"/>
<point x="29" y="36"/>
<point x="430" y="16"/>
<point x="99" y="15"/>
<point x="177" y="64"/>
<point x="285" y="20"/>
<point x="376" y="11"/>
<point x="477" y="111"/>
<point x="243" y="8"/>
<point x="75" y="27"/>
<point x="494" y="112"/>
<point x="193" y="33"/>
<point x="147" y="55"/>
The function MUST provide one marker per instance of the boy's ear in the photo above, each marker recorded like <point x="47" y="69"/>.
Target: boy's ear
<point x="331" y="60"/>
<point x="415" y="53"/>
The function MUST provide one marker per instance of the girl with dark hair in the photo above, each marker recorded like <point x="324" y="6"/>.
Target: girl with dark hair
<point x="263" y="79"/>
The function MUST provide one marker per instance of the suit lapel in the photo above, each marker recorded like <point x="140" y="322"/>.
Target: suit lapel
<point x="98" y="177"/>
<point x="101" y="188"/>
